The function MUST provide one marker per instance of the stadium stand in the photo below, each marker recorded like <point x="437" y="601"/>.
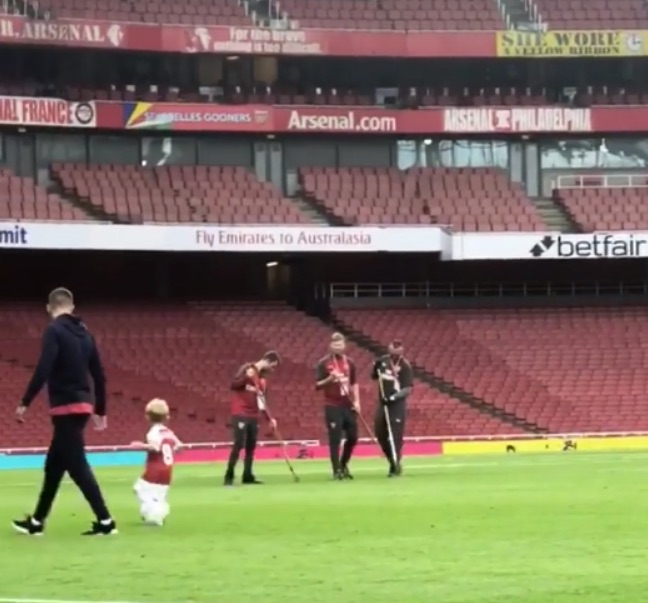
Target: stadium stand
<point x="412" y="96"/>
<point x="468" y="199"/>
<point x="191" y="12"/>
<point x="338" y="14"/>
<point x="566" y="370"/>
<point x="396" y="14"/>
<point x="277" y="94"/>
<point x="23" y="199"/>
<point x="188" y="354"/>
<point x="594" y="14"/>
<point x="221" y="195"/>
<point x="605" y="202"/>
<point x="347" y="14"/>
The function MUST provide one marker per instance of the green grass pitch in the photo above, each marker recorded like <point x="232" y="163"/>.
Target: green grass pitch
<point x="553" y="528"/>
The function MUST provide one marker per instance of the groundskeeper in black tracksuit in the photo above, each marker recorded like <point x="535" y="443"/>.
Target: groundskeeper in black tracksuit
<point x="69" y="354"/>
<point x="395" y="379"/>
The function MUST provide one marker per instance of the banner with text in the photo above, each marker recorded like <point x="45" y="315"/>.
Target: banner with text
<point x="549" y="246"/>
<point x="572" y="44"/>
<point x="207" y="117"/>
<point x="196" y="118"/>
<point x="49" y="112"/>
<point x="324" y="239"/>
<point x="31" y="235"/>
<point x="221" y="39"/>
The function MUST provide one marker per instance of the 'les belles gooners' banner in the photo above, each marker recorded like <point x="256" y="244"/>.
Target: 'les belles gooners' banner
<point x="572" y="44"/>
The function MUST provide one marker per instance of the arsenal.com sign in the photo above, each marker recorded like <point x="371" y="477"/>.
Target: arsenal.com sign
<point x="86" y="33"/>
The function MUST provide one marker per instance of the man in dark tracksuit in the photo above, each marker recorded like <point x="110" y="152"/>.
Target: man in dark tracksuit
<point x="68" y="354"/>
<point x="249" y="388"/>
<point x="335" y="376"/>
<point x="395" y="379"/>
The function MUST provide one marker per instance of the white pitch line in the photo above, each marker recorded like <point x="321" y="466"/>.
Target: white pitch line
<point x="19" y="600"/>
<point x="556" y="459"/>
<point x="216" y="475"/>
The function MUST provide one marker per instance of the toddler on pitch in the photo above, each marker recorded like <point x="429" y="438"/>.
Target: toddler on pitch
<point x="161" y="445"/>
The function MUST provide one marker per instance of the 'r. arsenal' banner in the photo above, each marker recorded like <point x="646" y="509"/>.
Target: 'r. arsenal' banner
<point x="48" y="112"/>
<point x="209" y="117"/>
<point x="220" y="39"/>
<point x="62" y="32"/>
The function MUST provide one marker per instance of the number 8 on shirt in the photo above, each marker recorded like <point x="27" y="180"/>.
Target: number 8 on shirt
<point x="161" y="445"/>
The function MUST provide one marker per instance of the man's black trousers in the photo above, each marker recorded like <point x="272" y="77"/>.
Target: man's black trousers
<point x="66" y="454"/>
<point x="341" y="421"/>
<point x="245" y="432"/>
<point x="396" y="412"/>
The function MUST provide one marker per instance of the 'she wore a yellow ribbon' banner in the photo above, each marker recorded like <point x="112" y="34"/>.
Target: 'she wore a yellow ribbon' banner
<point x="572" y="44"/>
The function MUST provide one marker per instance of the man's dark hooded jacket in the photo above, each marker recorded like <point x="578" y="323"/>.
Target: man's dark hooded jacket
<point x="68" y="357"/>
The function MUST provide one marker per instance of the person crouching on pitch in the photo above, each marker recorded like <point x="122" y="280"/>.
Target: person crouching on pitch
<point x="248" y="401"/>
<point x="336" y="378"/>
<point x="395" y="379"/>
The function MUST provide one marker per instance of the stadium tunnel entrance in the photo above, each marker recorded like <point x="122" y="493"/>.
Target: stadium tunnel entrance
<point x="303" y="280"/>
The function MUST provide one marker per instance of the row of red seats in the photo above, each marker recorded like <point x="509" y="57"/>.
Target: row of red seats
<point x="466" y="199"/>
<point x="352" y="14"/>
<point x="409" y="97"/>
<point x="188" y="354"/>
<point x="573" y="370"/>
<point x="567" y="371"/>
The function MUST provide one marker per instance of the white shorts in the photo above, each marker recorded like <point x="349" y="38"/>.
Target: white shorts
<point x="154" y="508"/>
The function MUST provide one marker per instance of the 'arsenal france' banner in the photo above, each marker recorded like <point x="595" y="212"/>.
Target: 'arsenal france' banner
<point x="48" y="112"/>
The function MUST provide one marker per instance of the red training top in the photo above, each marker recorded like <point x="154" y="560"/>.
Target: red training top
<point x="246" y="402"/>
<point x="337" y="394"/>
<point x="160" y="460"/>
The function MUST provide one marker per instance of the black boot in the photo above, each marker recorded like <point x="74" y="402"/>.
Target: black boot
<point x="394" y="470"/>
<point x="249" y="479"/>
<point x="346" y="474"/>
